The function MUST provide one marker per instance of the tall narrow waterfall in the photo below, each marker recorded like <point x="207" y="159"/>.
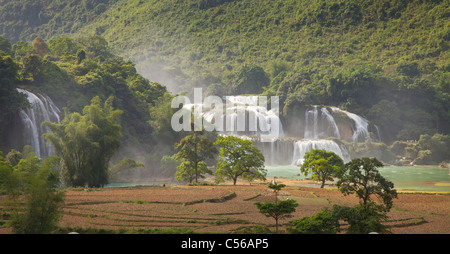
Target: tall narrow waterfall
<point x="42" y="109"/>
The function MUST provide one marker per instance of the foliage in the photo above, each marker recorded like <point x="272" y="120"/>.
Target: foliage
<point x="193" y="150"/>
<point x="87" y="142"/>
<point x="432" y="149"/>
<point x="249" y="80"/>
<point x="124" y="165"/>
<point x="323" y="222"/>
<point x="161" y="114"/>
<point x="33" y="67"/>
<point x="324" y="165"/>
<point x="278" y="211"/>
<point x="38" y="181"/>
<point x="9" y="181"/>
<point x="5" y="45"/>
<point x="387" y="61"/>
<point x="40" y="46"/>
<point x="188" y="171"/>
<point x="43" y="209"/>
<point x="72" y="84"/>
<point x="11" y="101"/>
<point x="276" y="187"/>
<point x="239" y="157"/>
<point x="362" y="219"/>
<point x="363" y="179"/>
<point x="357" y="54"/>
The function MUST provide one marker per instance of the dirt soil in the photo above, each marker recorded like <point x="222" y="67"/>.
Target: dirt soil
<point x="229" y="209"/>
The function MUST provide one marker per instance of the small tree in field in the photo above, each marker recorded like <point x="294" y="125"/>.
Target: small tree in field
<point x="276" y="188"/>
<point x="278" y="211"/>
<point x="324" y="222"/>
<point x="324" y="165"/>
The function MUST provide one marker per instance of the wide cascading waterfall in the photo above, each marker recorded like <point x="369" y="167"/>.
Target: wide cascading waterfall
<point x="242" y="115"/>
<point x="42" y="109"/>
<point x="313" y="129"/>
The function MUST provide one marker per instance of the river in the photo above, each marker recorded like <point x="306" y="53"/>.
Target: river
<point x="418" y="178"/>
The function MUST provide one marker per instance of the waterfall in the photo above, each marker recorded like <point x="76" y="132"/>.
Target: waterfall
<point x="311" y="122"/>
<point x="290" y="152"/>
<point x="303" y="146"/>
<point x="360" y="127"/>
<point x="242" y="115"/>
<point x="312" y="130"/>
<point x="42" y="109"/>
<point x="332" y="122"/>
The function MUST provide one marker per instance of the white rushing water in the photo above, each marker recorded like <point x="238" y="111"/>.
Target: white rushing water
<point x="246" y="116"/>
<point x="360" y="130"/>
<point x="42" y="109"/>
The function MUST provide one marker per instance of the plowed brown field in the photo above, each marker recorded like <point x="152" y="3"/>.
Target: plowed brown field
<point x="228" y="208"/>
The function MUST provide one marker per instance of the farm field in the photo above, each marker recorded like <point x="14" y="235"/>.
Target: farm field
<point x="230" y="209"/>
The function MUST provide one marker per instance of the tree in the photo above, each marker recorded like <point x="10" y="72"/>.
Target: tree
<point x="33" y="66"/>
<point x="362" y="178"/>
<point x="249" y="79"/>
<point x="40" y="46"/>
<point x="81" y="55"/>
<point x="324" y="222"/>
<point x="11" y="100"/>
<point x="5" y="46"/>
<point x="124" y="165"/>
<point x="14" y="157"/>
<point x="63" y="46"/>
<point x="86" y="142"/>
<point x="9" y="181"/>
<point x="276" y="188"/>
<point x="278" y="211"/>
<point x="186" y="171"/>
<point x="239" y="157"/>
<point x="323" y="164"/>
<point x="21" y="48"/>
<point x="37" y="181"/>
<point x="193" y="150"/>
<point x="43" y="207"/>
<point x="362" y="219"/>
<point x="96" y="47"/>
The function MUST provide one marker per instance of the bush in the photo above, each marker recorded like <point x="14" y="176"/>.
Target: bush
<point x="324" y="222"/>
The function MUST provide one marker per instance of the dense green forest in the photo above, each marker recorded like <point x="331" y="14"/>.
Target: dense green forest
<point x="73" y="73"/>
<point x="388" y="61"/>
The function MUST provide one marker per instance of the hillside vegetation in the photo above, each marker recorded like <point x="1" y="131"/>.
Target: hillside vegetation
<point x="385" y="60"/>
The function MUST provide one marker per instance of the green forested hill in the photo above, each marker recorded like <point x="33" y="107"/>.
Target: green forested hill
<point x="386" y="60"/>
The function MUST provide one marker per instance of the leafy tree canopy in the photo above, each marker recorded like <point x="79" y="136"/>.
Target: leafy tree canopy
<point x="323" y="165"/>
<point x="363" y="179"/>
<point x="239" y="157"/>
<point x="86" y="142"/>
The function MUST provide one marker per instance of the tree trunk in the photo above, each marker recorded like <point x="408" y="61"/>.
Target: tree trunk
<point x="323" y="183"/>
